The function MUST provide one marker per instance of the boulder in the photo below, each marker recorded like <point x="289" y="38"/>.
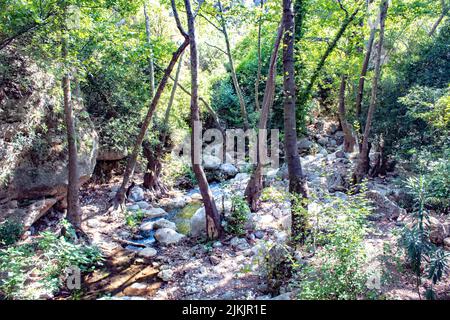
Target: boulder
<point x="211" y="162"/>
<point x="106" y="153"/>
<point x="165" y="275"/>
<point x="304" y="144"/>
<point x="198" y="223"/>
<point x="384" y="208"/>
<point x="438" y="232"/>
<point x="154" y="212"/>
<point x="33" y="147"/>
<point x="323" y="141"/>
<point x="228" y="170"/>
<point x="164" y="223"/>
<point x="28" y="215"/>
<point x="167" y="236"/>
<point x="136" y="194"/>
<point x="147" y="253"/>
<point x="337" y="181"/>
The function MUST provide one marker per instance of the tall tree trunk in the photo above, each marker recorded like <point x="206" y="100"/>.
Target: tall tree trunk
<point x="233" y="70"/>
<point x="73" y="204"/>
<point x="255" y="184"/>
<point x="445" y="8"/>
<point x="149" y="42"/>
<point x="258" y="72"/>
<point x="131" y="163"/>
<point x="154" y="154"/>
<point x="297" y="181"/>
<point x="213" y="226"/>
<point x="349" y="139"/>
<point x="362" y="76"/>
<point x="363" y="166"/>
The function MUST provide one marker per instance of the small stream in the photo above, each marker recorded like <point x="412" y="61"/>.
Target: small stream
<point x="180" y="216"/>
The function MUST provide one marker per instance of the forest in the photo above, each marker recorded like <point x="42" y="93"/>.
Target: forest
<point x="224" y="150"/>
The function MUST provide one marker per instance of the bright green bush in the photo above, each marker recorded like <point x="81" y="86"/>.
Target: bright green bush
<point x="238" y="217"/>
<point x="10" y="232"/>
<point x="28" y="271"/>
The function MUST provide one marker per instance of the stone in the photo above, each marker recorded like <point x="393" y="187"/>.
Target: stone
<point x="284" y="296"/>
<point x="147" y="253"/>
<point x="281" y="237"/>
<point x="28" y="215"/>
<point x="332" y="143"/>
<point x="241" y="176"/>
<point x="438" y="231"/>
<point x="323" y="141"/>
<point x="239" y="244"/>
<point x="337" y="181"/>
<point x="136" y="289"/>
<point x="165" y="275"/>
<point x="304" y="144"/>
<point x="143" y="204"/>
<point x="228" y="170"/>
<point x="136" y="194"/>
<point x="214" y="260"/>
<point x="146" y="226"/>
<point x="166" y="236"/>
<point x="259" y="234"/>
<point x="211" y="162"/>
<point x="154" y="212"/>
<point x="106" y="153"/>
<point x="198" y="223"/>
<point x="164" y="223"/>
<point x="383" y="206"/>
<point x="133" y="207"/>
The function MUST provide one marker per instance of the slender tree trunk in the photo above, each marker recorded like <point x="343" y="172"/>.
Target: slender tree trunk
<point x="255" y="184"/>
<point x="154" y="154"/>
<point x="297" y="181"/>
<point x="233" y="70"/>
<point x="258" y="73"/>
<point x="349" y="139"/>
<point x="362" y="76"/>
<point x="363" y="166"/>
<point x="131" y="163"/>
<point x="149" y="42"/>
<point x="213" y="226"/>
<point x="445" y="9"/>
<point x="73" y="204"/>
<point x="305" y="94"/>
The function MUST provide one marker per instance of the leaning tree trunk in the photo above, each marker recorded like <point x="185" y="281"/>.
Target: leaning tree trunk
<point x="131" y="163"/>
<point x="150" y="59"/>
<point x="362" y="76"/>
<point x="255" y="184"/>
<point x="154" y="154"/>
<point x="445" y="9"/>
<point x="297" y="181"/>
<point x="362" y="169"/>
<point x="73" y="204"/>
<point x="213" y="226"/>
<point x="233" y="70"/>
<point x="349" y="138"/>
<point x="258" y="72"/>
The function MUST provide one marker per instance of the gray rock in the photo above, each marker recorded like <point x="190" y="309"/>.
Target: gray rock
<point x="304" y="144"/>
<point x="133" y="207"/>
<point x="165" y="275"/>
<point x="211" y="162"/>
<point x="167" y="236"/>
<point x="228" y="170"/>
<point x="164" y="223"/>
<point x="340" y="154"/>
<point x="155" y="212"/>
<point x="147" y="253"/>
<point x="198" y="223"/>
<point x="259" y="234"/>
<point x="106" y="153"/>
<point x="383" y="206"/>
<point x="143" y="204"/>
<point x="239" y="244"/>
<point x="323" y="141"/>
<point x="136" y="194"/>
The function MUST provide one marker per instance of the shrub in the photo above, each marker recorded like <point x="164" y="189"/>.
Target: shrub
<point x="337" y="270"/>
<point x="134" y="218"/>
<point x="31" y="270"/>
<point x="10" y="232"/>
<point x="238" y="217"/>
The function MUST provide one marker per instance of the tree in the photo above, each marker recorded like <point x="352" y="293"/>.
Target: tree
<point x="73" y="204"/>
<point x="222" y="27"/>
<point x="363" y="166"/>
<point x="131" y="163"/>
<point x="213" y="226"/>
<point x="258" y="73"/>
<point x="364" y="68"/>
<point x="150" y="59"/>
<point x="297" y="181"/>
<point x="255" y="184"/>
<point x="445" y="9"/>
<point x="349" y="139"/>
